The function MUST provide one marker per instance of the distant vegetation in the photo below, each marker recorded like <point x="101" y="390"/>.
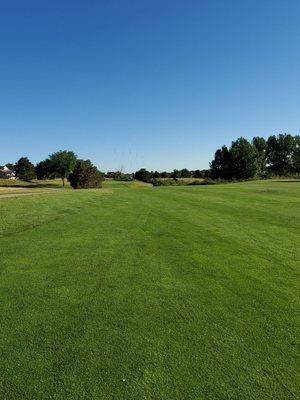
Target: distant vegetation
<point x="277" y="156"/>
<point x="62" y="164"/>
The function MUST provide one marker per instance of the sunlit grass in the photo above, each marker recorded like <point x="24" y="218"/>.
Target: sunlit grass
<point x="130" y="292"/>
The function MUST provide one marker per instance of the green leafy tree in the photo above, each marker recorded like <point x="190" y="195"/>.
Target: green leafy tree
<point x="279" y="152"/>
<point x="10" y="166"/>
<point x="185" y="173"/>
<point x="260" y="145"/>
<point x="221" y="165"/>
<point x="244" y="155"/>
<point x="143" y="175"/>
<point x="197" y="174"/>
<point x="175" y="174"/>
<point x="44" y="170"/>
<point x="85" y="175"/>
<point x="296" y="155"/>
<point x="63" y="162"/>
<point x="24" y="169"/>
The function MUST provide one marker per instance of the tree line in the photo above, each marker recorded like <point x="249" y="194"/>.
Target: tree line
<point x="277" y="155"/>
<point x="62" y="164"/>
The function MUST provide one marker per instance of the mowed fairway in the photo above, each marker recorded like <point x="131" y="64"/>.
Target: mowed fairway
<point x="151" y="293"/>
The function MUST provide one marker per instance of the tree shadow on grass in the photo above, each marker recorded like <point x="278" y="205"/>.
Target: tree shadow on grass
<point x="33" y="185"/>
<point x="287" y="181"/>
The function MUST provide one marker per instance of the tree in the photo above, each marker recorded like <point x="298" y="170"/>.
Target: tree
<point x="24" y="169"/>
<point x="63" y="162"/>
<point x="85" y="175"/>
<point x="10" y="166"/>
<point x="260" y="145"/>
<point x="221" y="164"/>
<point x="296" y="155"/>
<point x="279" y="153"/>
<point x="143" y="175"/>
<point x="197" y="174"/>
<point x="175" y="174"/>
<point x="185" y="173"/>
<point x="244" y="155"/>
<point x="44" y="170"/>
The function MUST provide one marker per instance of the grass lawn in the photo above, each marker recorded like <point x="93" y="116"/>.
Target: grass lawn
<point x="135" y="292"/>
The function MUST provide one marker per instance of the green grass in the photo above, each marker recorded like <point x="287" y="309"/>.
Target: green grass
<point x="151" y="293"/>
<point x="51" y="183"/>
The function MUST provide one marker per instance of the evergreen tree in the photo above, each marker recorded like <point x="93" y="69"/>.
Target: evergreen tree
<point x="85" y="175"/>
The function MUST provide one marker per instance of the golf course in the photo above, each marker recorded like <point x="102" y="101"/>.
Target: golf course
<point x="140" y="292"/>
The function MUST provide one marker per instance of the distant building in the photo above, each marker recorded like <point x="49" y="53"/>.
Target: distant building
<point x="6" y="173"/>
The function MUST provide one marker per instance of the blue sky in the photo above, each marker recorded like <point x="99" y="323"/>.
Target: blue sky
<point x="155" y="84"/>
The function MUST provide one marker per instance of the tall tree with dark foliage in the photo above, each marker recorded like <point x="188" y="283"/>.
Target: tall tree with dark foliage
<point x="85" y="175"/>
<point x="24" y="169"/>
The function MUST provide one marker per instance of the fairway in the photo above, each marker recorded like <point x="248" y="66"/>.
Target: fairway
<point x="137" y="292"/>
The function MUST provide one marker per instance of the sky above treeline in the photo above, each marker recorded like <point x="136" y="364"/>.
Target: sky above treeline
<point x="155" y="84"/>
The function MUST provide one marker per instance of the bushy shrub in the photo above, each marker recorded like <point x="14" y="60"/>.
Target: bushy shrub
<point x="85" y="175"/>
<point x="206" y="181"/>
<point x="168" y="182"/>
<point x="143" y="175"/>
<point x="123" y="177"/>
<point x="195" y="183"/>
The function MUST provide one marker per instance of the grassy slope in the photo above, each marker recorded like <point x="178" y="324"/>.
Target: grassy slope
<point x="184" y="292"/>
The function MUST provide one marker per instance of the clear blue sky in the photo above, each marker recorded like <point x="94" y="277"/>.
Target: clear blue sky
<point x="157" y="84"/>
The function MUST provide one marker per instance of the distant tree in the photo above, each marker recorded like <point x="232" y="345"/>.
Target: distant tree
<point x="222" y="164"/>
<point x="10" y="166"/>
<point x="197" y="174"/>
<point x="24" y="169"/>
<point x="244" y="155"/>
<point x="126" y="177"/>
<point x="156" y="174"/>
<point x="206" y="173"/>
<point x="296" y="155"/>
<point x="143" y="175"/>
<point x="118" y="175"/>
<point x="63" y="162"/>
<point x="121" y="176"/>
<point x="44" y="170"/>
<point x="165" y="174"/>
<point x="175" y="174"/>
<point x="85" y="175"/>
<point x="279" y="153"/>
<point x="260" y="145"/>
<point x="185" y="173"/>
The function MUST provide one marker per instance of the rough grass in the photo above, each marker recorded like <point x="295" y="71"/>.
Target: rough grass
<point x="34" y="184"/>
<point x="151" y="293"/>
